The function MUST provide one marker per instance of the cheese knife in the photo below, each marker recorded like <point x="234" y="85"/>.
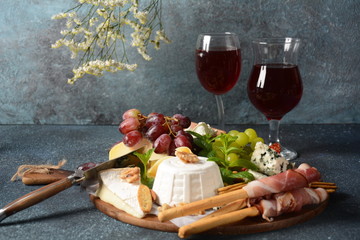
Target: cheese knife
<point x="52" y="189"/>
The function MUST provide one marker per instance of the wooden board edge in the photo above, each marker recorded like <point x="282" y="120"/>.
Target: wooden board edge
<point x="246" y="226"/>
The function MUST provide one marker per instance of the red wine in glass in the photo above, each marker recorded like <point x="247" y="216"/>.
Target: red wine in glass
<point x="275" y="89"/>
<point x="274" y="86"/>
<point x="218" y="70"/>
<point x="218" y="65"/>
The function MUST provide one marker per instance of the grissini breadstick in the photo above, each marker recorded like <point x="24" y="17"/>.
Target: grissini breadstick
<point x="233" y="206"/>
<point x="195" y="207"/>
<point x="205" y="224"/>
<point x="231" y="187"/>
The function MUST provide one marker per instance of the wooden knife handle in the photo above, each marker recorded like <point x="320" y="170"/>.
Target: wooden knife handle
<point x="35" y="197"/>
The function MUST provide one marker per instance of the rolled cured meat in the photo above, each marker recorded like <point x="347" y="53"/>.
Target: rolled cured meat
<point x="310" y="173"/>
<point x="291" y="201"/>
<point x="283" y="182"/>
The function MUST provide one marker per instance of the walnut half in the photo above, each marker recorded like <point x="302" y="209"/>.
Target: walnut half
<point x="187" y="157"/>
<point x="131" y="175"/>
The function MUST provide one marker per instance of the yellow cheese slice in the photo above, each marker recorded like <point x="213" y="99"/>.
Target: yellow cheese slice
<point x="121" y="149"/>
<point x="143" y="146"/>
<point x="152" y="171"/>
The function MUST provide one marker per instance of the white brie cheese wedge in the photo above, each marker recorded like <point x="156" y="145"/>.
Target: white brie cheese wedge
<point x="119" y="192"/>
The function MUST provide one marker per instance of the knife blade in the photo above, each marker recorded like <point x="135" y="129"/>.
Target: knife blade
<point x="52" y="189"/>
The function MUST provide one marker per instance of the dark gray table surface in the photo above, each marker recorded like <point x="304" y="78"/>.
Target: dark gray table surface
<point x="333" y="149"/>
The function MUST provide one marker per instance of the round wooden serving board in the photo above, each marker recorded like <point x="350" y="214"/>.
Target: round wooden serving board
<point x="246" y="226"/>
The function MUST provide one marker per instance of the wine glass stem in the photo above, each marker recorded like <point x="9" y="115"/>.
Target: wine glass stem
<point x="274" y="131"/>
<point x="221" y="111"/>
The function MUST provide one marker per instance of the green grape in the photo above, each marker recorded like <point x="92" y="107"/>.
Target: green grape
<point x="242" y="139"/>
<point x="235" y="145"/>
<point x="255" y="140"/>
<point x="233" y="133"/>
<point x="251" y="134"/>
<point x="217" y="143"/>
<point x="232" y="157"/>
<point x="219" y="154"/>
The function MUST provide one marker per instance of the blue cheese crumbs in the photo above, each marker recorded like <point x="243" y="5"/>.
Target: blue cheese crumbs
<point x="269" y="161"/>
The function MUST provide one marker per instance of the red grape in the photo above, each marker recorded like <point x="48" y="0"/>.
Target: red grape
<point x="132" y="138"/>
<point x="182" y="141"/>
<point x="162" y="143"/>
<point x="154" y="132"/>
<point x="128" y="125"/>
<point x="156" y="119"/>
<point x="182" y="120"/>
<point x="186" y="134"/>
<point x="131" y="113"/>
<point x="175" y="128"/>
<point x="172" y="148"/>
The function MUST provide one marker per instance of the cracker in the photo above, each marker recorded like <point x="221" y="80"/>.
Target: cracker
<point x="145" y="198"/>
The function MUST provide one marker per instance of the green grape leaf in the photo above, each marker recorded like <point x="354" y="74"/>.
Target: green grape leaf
<point x="202" y="141"/>
<point x="233" y="149"/>
<point x="212" y="153"/>
<point x="228" y="176"/>
<point x="245" y="175"/>
<point x="225" y="175"/>
<point x="202" y="144"/>
<point x="144" y="158"/>
<point x="202" y="153"/>
<point x="243" y="163"/>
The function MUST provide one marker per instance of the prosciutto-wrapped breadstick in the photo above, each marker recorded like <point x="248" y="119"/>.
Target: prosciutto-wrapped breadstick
<point x="282" y="182"/>
<point x="292" y="201"/>
<point x="310" y="173"/>
<point x="281" y="203"/>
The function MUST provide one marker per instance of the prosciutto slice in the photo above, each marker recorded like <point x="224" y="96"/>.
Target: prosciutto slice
<point x="310" y="173"/>
<point x="283" y="182"/>
<point x="291" y="201"/>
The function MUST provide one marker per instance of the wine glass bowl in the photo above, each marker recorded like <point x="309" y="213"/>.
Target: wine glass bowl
<point x="218" y="65"/>
<point x="275" y="85"/>
<point x="280" y="97"/>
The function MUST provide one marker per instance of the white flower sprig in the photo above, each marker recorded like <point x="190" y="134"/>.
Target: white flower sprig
<point x="96" y="33"/>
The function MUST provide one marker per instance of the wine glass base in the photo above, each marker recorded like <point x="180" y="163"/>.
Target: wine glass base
<point x="288" y="153"/>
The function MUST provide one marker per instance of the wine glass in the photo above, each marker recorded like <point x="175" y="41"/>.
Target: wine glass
<point x="218" y="65"/>
<point x="275" y="85"/>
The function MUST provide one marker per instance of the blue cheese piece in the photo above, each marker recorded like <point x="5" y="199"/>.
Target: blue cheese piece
<point x="269" y="161"/>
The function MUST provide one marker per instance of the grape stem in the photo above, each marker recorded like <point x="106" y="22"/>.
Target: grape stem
<point x="167" y="123"/>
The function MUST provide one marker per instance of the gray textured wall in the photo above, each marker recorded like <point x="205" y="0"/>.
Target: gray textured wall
<point x="33" y="77"/>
